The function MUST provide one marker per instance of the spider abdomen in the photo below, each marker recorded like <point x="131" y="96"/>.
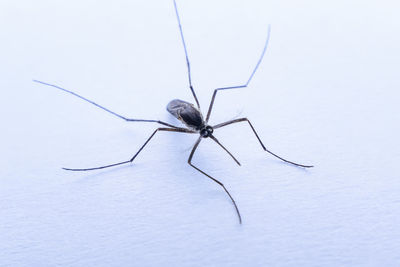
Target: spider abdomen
<point x="186" y="113"/>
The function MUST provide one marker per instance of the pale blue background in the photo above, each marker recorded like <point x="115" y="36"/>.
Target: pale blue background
<point x="326" y="94"/>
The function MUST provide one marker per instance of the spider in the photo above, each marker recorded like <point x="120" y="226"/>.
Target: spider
<point x="191" y="116"/>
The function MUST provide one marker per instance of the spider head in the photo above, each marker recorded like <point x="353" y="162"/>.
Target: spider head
<point x="206" y="131"/>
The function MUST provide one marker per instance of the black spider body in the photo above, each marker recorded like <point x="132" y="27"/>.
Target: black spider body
<point x="186" y="113"/>
<point x="191" y="116"/>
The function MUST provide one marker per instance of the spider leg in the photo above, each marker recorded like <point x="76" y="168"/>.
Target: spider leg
<point x="215" y="180"/>
<point x="227" y="151"/>
<point x="259" y="140"/>
<point x="239" y="86"/>
<point x="104" y="108"/>
<point x="181" y="130"/>
<point x="186" y="55"/>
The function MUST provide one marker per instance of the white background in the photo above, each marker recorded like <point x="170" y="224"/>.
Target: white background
<point x="326" y="94"/>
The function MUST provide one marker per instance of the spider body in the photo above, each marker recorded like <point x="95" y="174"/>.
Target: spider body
<point x="191" y="116"/>
<point x="187" y="113"/>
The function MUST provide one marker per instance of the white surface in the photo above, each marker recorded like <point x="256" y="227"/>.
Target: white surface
<point x="326" y="94"/>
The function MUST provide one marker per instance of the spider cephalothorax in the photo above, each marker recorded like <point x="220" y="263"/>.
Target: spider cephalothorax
<point x="206" y="131"/>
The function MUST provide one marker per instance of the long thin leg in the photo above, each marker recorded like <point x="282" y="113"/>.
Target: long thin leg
<point x="215" y="180"/>
<point x="186" y="55"/>
<point x="254" y="131"/>
<point x="227" y="151"/>
<point x="181" y="130"/>
<point x="103" y="108"/>
<point x="244" y="85"/>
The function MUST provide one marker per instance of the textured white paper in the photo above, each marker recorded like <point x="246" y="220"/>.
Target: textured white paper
<point x="326" y="94"/>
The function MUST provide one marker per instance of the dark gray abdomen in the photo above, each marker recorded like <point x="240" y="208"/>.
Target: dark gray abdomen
<point x="186" y="113"/>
